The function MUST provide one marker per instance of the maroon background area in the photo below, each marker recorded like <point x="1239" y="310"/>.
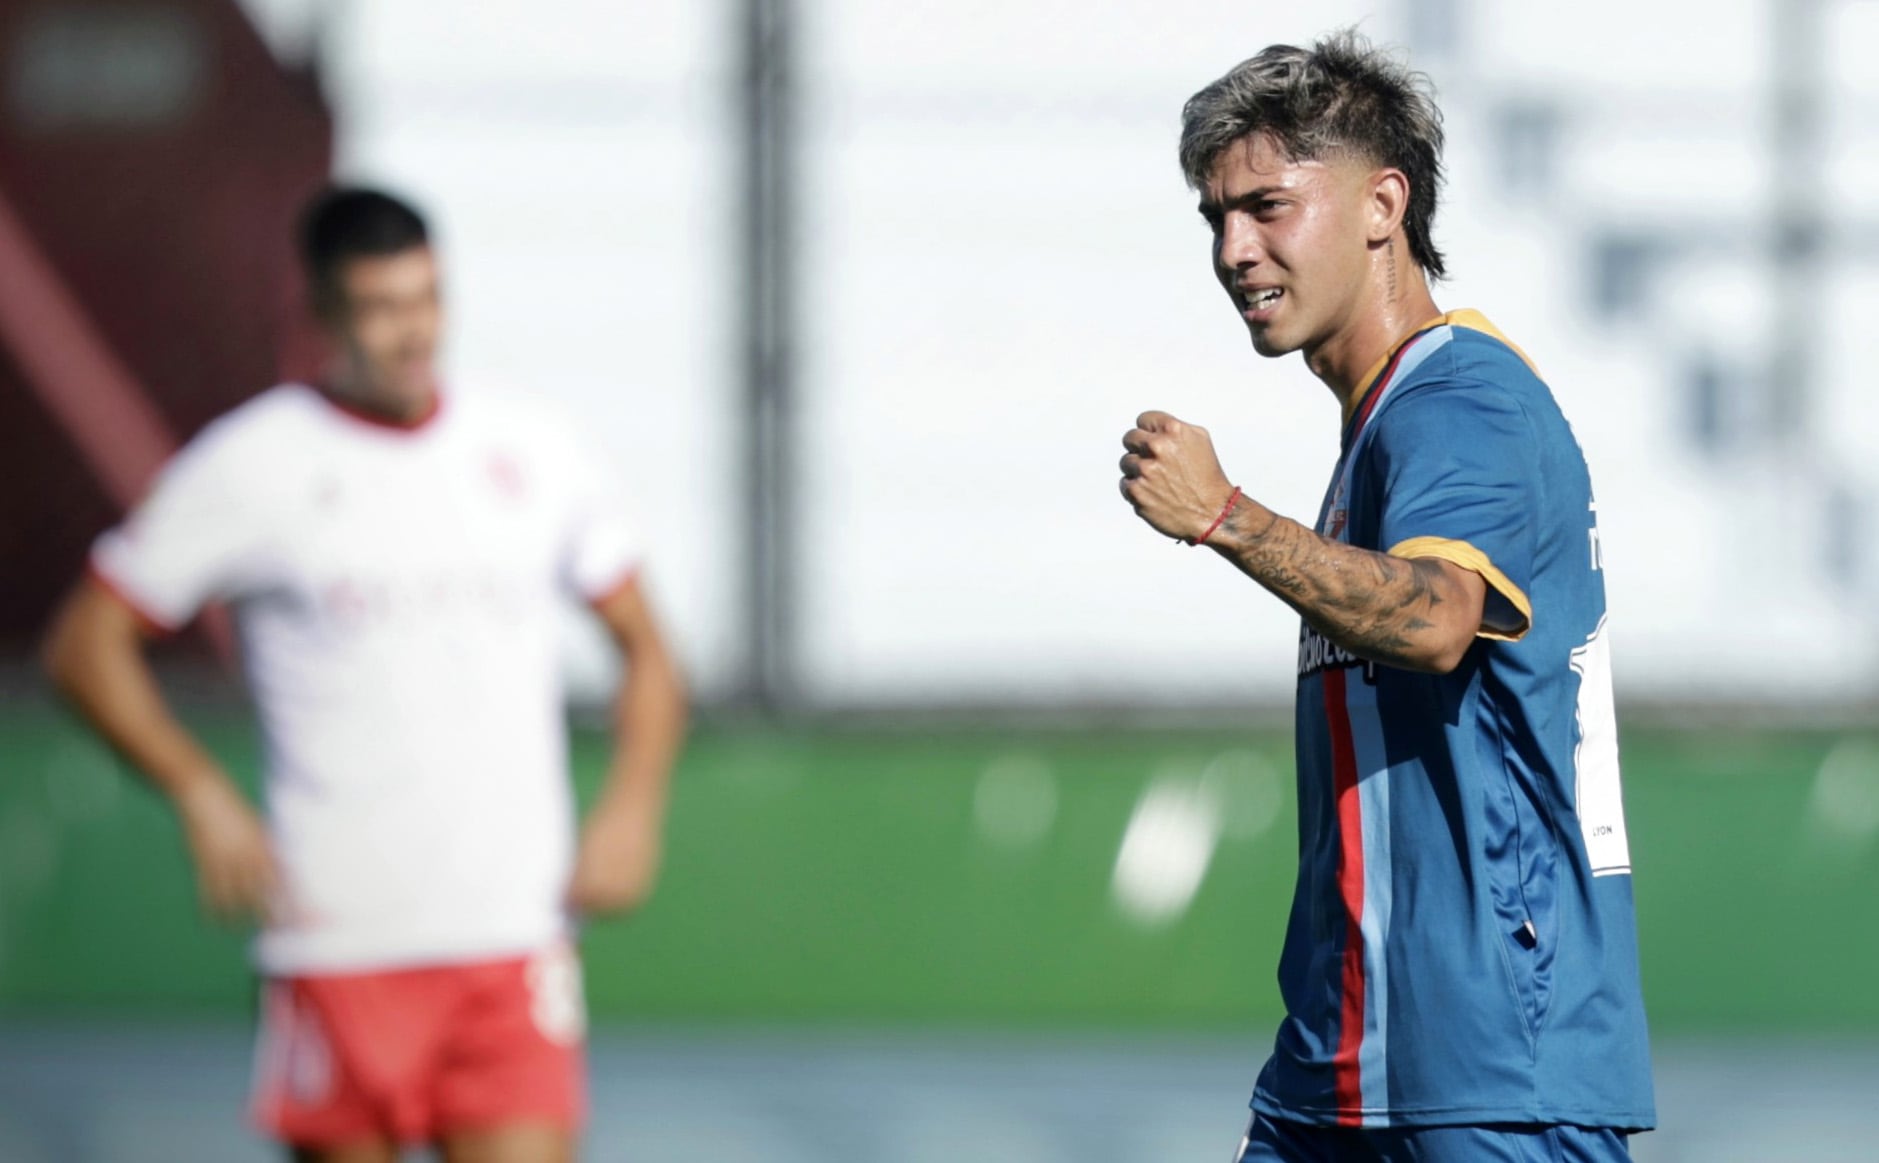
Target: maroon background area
<point x="176" y="241"/>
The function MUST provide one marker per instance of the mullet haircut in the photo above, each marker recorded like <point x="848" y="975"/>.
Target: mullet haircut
<point x="1342" y="95"/>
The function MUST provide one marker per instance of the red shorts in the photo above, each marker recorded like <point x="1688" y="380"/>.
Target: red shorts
<point x="412" y="1055"/>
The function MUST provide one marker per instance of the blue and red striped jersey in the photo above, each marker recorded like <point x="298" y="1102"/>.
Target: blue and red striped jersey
<point x="1462" y="945"/>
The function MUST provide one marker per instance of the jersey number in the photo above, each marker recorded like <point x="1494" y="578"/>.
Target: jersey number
<point x="1597" y="794"/>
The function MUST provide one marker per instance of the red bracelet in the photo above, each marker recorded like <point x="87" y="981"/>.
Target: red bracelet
<point x="1233" y="499"/>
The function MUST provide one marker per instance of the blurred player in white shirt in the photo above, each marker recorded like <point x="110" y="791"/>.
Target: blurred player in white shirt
<point x="394" y="558"/>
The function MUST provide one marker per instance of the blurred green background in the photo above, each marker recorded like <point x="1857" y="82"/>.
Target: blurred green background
<point x="975" y="877"/>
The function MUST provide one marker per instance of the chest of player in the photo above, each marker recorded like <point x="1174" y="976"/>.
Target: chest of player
<point x="459" y="532"/>
<point x="1348" y="513"/>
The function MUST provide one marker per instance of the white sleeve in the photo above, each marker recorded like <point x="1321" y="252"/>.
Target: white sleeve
<point x="601" y="548"/>
<point x="192" y="540"/>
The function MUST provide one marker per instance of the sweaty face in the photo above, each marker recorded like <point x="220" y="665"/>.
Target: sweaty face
<point x="387" y="316"/>
<point x="1290" y="243"/>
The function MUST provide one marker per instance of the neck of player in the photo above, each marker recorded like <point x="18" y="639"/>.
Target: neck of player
<point x="402" y="405"/>
<point x="1393" y="304"/>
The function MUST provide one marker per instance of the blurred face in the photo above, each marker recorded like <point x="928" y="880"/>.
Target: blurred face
<point x="386" y="315"/>
<point x="1291" y="242"/>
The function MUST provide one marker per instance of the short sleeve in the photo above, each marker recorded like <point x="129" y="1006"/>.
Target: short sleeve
<point x="195" y="538"/>
<point x="1458" y="467"/>
<point x="601" y="549"/>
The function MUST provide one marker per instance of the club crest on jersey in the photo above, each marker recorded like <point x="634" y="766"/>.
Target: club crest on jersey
<point x="1338" y="514"/>
<point x="1316" y="653"/>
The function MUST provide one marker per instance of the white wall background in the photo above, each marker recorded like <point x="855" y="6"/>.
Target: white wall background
<point x="1002" y="268"/>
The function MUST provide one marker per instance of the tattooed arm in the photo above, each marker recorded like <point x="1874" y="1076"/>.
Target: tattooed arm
<point x="1418" y="613"/>
<point x="1414" y="613"/>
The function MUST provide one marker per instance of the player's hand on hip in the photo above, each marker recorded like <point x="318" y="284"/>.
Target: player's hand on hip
<point x="1172" y="477"/>
<point x="618" y="861"/>
<point x="236" y="876"/>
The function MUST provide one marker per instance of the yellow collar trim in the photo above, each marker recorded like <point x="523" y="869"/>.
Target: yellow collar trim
<point x="1465" y="317"/>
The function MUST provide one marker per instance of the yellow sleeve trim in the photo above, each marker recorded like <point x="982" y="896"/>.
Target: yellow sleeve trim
<point x="1507" y="615"/>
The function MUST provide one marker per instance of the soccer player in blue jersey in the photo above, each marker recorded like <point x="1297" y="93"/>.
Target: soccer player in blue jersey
<point x="1460" y="966"/>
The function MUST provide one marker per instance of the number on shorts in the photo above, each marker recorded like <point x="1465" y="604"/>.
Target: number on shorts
<point x="555" y="996"/>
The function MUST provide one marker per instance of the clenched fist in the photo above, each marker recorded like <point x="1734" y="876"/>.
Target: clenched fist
<point x="1172" y="476"/>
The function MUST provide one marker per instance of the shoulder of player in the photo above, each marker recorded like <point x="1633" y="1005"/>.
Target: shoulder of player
<point x="1443" y="383"/>
<point x="238" y="458"/>
<point x="254" y="431"/>
<point x="1467" y="352"/>
<point x="1477" y="361"/>
<point x="1447" y="400"/>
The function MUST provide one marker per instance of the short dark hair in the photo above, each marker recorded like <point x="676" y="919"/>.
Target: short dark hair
<point x="346" y="222"/>
<point x="1342" y="94"/>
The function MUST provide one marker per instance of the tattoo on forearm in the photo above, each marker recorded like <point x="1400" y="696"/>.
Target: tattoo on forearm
<point x="1374" y="605"/>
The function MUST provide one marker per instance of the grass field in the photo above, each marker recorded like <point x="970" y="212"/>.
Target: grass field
<point x="971" y="878"/>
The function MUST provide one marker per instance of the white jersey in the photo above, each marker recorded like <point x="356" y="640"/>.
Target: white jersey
<point x="397" y="594"/>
